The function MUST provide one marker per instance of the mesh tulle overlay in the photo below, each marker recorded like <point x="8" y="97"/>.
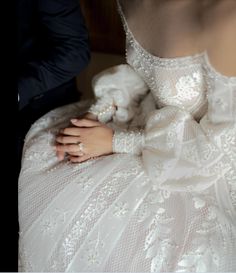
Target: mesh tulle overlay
<point x="165" y="201"/>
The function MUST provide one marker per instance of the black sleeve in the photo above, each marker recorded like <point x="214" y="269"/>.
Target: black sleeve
<point x="67" y="51"/>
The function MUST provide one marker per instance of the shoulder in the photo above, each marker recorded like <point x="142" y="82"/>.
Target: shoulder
<point x="219" y="15"/>
<point x="219" y="23"/>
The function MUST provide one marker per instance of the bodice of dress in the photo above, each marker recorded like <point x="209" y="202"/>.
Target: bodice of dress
<point x="188" y="86"/>
<point x="172" y="82"/>
<point x="180" y="81"/>
<point x="192" y="96"/>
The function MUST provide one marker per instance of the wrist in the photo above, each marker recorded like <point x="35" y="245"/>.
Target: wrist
<point x="129" y="142"/>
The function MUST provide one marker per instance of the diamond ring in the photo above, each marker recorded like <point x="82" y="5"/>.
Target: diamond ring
<point x="81" y="147"/>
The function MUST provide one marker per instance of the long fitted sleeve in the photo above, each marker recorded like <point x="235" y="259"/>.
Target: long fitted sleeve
<point x="180" y="153"/>
<point x="128" y="141"/>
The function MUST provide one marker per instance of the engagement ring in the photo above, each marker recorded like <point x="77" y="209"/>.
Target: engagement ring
<point x="81" y="147"/>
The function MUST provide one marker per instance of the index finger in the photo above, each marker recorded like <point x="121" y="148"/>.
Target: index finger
<point x="71" y="131"/>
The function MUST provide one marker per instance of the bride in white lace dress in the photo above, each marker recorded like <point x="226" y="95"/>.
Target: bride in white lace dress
<point x="165" y="199"/>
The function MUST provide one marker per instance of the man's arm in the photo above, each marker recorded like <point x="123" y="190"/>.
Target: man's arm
<point x="67" y="49"/>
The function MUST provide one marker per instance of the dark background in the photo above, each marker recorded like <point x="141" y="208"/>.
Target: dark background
<point x="104" y="25"/>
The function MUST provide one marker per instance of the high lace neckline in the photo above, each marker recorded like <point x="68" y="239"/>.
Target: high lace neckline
<point x="177" y="59"/>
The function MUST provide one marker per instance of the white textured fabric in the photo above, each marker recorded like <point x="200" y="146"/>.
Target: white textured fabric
<point x="118" y="86"/>
<point x="173" y="208"/>
<point x="104" y="111"/>
<point x="128" y="141"/>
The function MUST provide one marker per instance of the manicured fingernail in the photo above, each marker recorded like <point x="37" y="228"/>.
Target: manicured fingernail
<point x="74" y="120"/>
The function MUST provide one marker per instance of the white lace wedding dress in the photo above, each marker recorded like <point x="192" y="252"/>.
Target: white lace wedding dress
<point x="166" y="201"/>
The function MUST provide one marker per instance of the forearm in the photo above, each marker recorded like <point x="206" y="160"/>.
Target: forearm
<point x="62" y="48"/>
<point x="40" y="76"/>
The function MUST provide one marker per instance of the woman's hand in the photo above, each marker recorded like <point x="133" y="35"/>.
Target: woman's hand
<point x="87" y="139"/>
<point x="61" y="155"/>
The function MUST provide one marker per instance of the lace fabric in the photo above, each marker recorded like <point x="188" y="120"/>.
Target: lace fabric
<point x="170" y="209"/>
<point x="130" y="142"/>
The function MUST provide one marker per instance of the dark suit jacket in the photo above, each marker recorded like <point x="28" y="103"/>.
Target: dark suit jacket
<point x="52" y="46"/>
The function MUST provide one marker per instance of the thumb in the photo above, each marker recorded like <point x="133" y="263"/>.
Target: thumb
<point x="85" y="123"/>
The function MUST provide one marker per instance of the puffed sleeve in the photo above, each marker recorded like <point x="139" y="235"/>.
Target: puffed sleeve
<point x="182" y="154"/>
<point x="118" y="90"/>
<point x="178" y="152"/>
